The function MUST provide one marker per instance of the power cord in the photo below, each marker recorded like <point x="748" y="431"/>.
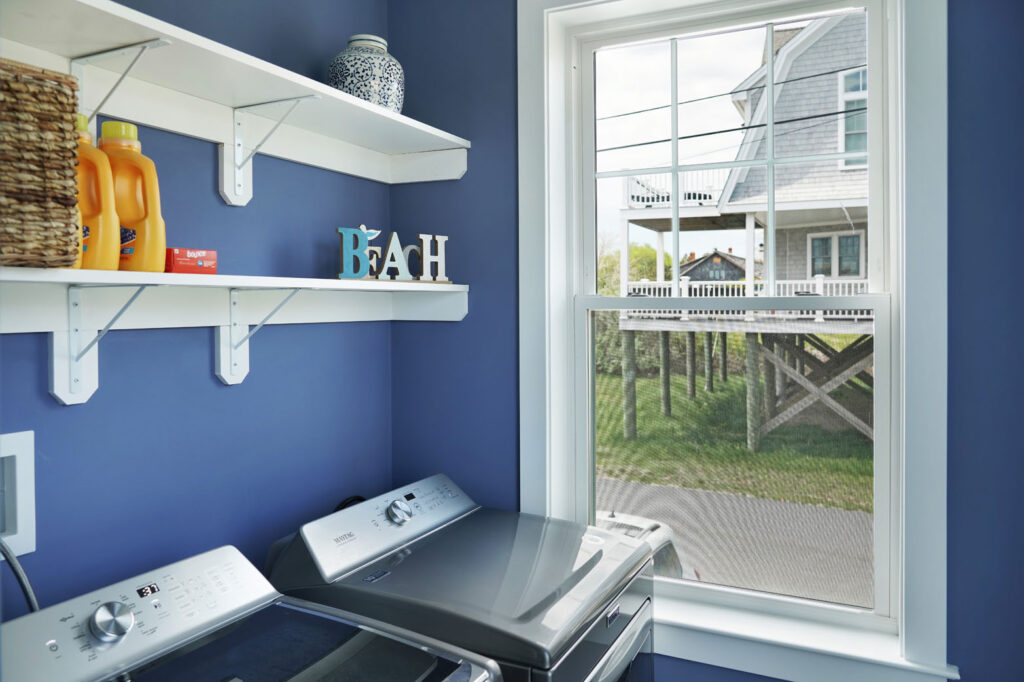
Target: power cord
<point x="349" y="501"/>
<point x="19" y="575"/>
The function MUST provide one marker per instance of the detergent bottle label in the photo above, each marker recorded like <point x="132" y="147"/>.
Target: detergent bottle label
<point x="127" y="241"/>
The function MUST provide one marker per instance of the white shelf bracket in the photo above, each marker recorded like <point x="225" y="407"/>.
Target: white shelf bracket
<point x="74" y="364"/>
<point x="78" y="64"/>
<point x="232" y="342"/>
<point x="236" y="164"/>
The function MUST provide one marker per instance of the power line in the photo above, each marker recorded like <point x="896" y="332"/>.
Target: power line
<point x="733" y="130"/>
<point x="731" y="92"/>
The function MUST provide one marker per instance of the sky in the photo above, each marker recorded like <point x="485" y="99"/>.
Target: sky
<point x="636" y="78"/>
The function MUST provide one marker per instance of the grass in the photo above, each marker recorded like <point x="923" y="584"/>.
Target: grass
<point x="703" y="445"/>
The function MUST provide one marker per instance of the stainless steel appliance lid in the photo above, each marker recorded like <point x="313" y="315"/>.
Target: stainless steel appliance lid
<point x="531" y="583"/>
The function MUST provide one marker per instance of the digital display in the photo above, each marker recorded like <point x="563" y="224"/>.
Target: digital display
<point x="410" y="496"/>
<point x="148" y="590"/>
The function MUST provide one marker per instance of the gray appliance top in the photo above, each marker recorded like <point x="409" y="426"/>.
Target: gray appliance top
<point x="215" y="617"/>
<point x="513" y="586"/>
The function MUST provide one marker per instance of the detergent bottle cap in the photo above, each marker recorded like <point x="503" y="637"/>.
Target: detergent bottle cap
<point x="113" y="130"/>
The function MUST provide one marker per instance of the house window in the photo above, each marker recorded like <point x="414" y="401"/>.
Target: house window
<point x="821" y="256"/>
<point x="836" y="255"/>
<point x="853" y="129"/>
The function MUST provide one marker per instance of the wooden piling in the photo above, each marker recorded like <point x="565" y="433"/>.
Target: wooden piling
<point x="629" y="384"/>
<point x="769" y="379"/>
<point x="665" y="357"/>
<point x="723" y="338"/>
<point x="691" y="364"/>
<point x="709" y="362"/>
<point x="753" y="393"/>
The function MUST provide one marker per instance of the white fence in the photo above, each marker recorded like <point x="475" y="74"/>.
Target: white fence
<point x="817" y="286"/>
<point x="696" y="188"/>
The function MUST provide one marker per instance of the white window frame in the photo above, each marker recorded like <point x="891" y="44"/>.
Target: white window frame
<point x="842" y="99"/>
<point x="835" y="252"/>
<point x="718" y="626"/>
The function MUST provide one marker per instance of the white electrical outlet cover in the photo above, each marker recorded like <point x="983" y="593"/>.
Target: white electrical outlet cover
<point x="18" y="457"/>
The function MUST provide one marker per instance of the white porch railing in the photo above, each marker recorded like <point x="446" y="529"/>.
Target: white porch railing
<point x="696" y="188"/>
<point x="819" y="286"/>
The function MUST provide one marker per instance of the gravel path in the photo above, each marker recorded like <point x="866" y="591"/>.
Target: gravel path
<point x="782" y="547"/>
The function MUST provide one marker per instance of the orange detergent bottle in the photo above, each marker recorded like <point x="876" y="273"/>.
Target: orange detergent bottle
<point x="81" y="247"/>
<point x="101" y="231"/>
<point x="137" y="197"/>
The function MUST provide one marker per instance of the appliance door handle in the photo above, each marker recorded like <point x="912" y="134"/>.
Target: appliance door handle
<point x="625" y="648"/>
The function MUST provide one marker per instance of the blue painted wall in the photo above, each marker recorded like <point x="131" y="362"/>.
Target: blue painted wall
<point x="164" y="460"/>
<point x="455" y="397"/>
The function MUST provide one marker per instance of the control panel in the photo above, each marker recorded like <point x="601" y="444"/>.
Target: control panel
<point x="117" y="628"/>
<point x="356" y="535"/>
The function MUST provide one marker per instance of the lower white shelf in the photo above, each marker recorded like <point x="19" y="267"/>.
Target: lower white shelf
<point x="79" y="306"/>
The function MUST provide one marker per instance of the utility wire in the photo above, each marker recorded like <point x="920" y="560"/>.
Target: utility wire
<point x="737" y="129"/>
<point x="19" y="575"/>
<point x="731" y="92"/>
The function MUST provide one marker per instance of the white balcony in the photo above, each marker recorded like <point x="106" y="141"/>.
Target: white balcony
<point x="696" y="188"/>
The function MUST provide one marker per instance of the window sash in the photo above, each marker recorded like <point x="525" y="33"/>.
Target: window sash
<point x="881" y="616"/>
<point x="884" y="576"/>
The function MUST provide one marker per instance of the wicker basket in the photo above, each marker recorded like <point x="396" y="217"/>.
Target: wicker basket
<point x="38" y="154"/>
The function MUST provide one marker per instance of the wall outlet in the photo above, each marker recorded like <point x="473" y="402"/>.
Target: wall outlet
<point x="18" y="491"/>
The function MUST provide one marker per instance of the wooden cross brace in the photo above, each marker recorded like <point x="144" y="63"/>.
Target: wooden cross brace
<point x="816" y="393"/>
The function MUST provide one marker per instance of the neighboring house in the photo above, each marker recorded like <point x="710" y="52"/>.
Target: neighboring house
<point x="717" y="267"/>
<point x="821" y="207"/>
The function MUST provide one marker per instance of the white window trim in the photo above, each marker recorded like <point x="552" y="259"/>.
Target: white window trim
<point x="777" y="643"/>
<point x="835" y="235"/>
<point x="842" y="99"/>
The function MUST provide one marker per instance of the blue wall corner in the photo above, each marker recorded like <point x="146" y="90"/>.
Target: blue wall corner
<point x="455" y="395"/>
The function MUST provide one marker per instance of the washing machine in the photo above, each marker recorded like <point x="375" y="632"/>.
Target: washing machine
<point x="215" y="618"/>
<point x="547" y="599"/>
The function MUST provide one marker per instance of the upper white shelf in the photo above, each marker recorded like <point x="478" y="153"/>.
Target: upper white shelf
<point x="388" y="147"/>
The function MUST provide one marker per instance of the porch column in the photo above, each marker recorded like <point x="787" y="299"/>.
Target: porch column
<point x="665" y="354"/>
<point x="629" y="384"/>
<point x="751" y="250"/>
<point x="624" y="259"/>
<point x="659" y="269"/>
<point x="753" y="393"/>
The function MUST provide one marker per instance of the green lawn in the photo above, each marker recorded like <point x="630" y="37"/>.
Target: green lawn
<point x="703" y="445"/>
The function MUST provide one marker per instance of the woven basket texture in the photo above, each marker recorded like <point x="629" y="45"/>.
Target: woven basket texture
<point x="38" y="155"/>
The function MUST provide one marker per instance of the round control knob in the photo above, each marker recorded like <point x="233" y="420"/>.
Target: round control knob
<point x="399" y="512"/>
<point x="111" y="621"/>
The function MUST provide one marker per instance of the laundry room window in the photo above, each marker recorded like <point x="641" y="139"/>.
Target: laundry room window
<point x="695" y="224"/>
<point x="748" y="435"/>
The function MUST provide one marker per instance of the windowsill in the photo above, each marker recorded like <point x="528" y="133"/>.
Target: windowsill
<point x="783" y="647"/>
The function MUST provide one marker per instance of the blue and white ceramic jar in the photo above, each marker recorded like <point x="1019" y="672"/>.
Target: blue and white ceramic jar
<point x="366" y="70"/>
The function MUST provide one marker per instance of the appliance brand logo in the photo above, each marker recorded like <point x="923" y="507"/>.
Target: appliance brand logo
<point x="344" y="538"/>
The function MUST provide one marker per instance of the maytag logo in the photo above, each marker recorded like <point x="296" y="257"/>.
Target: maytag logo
<point x="346" y="537"/>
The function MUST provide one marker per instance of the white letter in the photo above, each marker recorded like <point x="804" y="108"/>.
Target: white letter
<point x="393" y="259"/>
<point x="427" y="257"/>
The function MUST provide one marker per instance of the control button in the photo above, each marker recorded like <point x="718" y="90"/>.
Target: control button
<point x="399" y="512"/>
<point x="53" y="646"/>
<point x="111" y="621"/>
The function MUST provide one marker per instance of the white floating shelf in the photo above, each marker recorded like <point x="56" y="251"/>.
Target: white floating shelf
<point x="77" y="306"/>
<point x="193" y="85"/>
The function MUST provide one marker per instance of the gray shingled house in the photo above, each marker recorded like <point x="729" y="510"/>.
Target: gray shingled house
<point x="821" y="207"/>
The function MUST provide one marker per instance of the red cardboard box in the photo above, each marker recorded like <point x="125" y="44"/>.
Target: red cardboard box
<point x="198" y="261"/>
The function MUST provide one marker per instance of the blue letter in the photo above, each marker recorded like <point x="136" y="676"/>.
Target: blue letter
<point x="350" y="251"/>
